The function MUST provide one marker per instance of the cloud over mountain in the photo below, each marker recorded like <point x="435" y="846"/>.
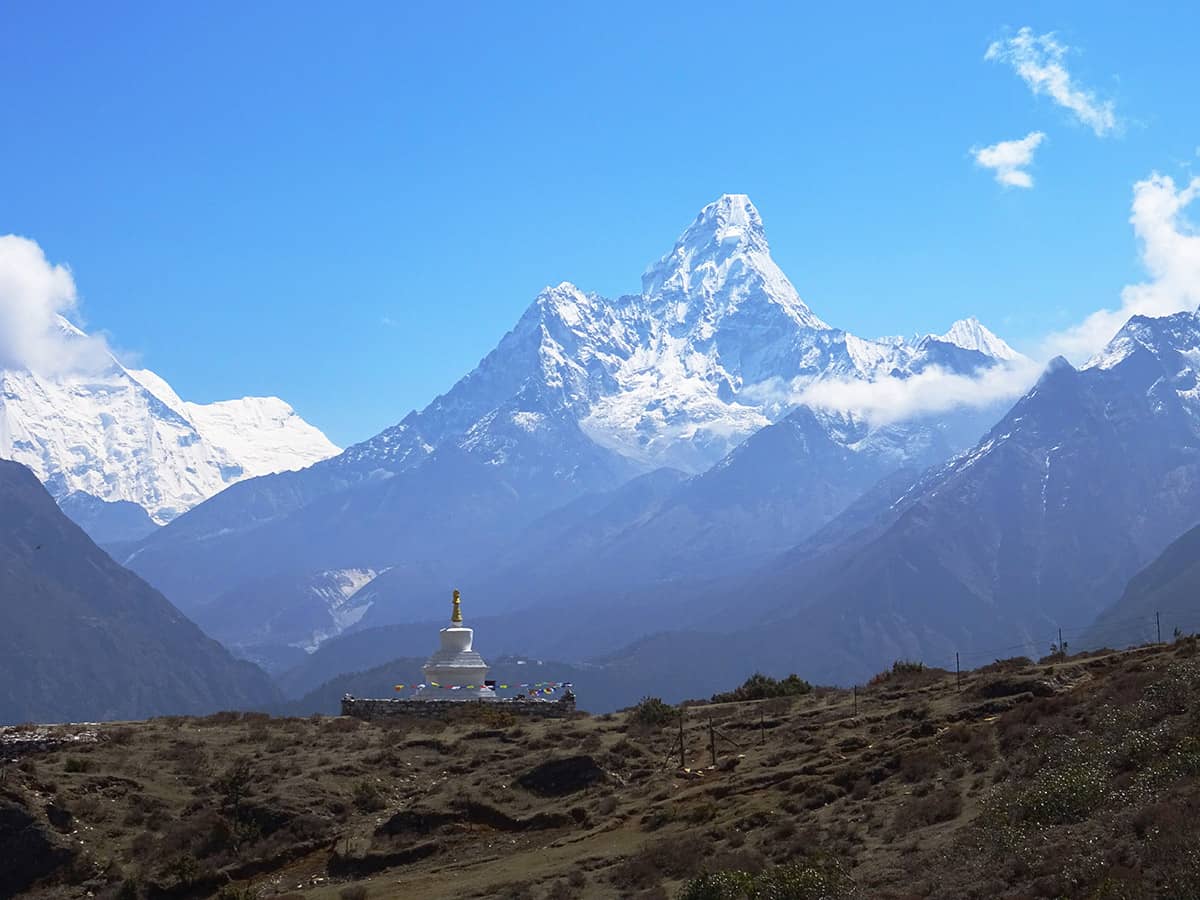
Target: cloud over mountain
<point x="935" y="390"/>
<point x="35" y="295"/>
<point x="1170" y="253"/>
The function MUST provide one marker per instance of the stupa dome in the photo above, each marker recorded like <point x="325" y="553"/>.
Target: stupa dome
<point x="455" y="671"/>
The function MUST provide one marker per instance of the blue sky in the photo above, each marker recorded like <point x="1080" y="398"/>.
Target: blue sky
<point x="348" y="206"/>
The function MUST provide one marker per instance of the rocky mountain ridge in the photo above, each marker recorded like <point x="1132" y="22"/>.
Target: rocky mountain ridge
<point x="581" y="396"/>
<point x="120" y="434"/>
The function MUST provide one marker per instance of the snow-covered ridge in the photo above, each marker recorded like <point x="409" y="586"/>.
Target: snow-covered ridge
<point x="720" y="263"/>
<point x="970" y="334"/>
<point x="717" y="345"/>
<point x="724" y="343"/>
<point x="125" y="434"/>
<point x="337" y="590"/>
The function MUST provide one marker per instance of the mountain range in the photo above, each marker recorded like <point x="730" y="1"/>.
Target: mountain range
<point x="651" y="396"/>
<point x="1042" y="525"/>
<point x="635" y="484"/>
<point x="108" y="436"/>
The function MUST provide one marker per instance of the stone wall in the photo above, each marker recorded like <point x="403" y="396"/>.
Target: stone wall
<point x="446" y="710"/>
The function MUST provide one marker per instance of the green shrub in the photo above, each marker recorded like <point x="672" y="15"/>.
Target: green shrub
<point x="233" y="892"/>
<point x="811" y="880"/>
<point x="184" y="869"/>
<point x="720" y="886"/>
<point x="901" y="668"/>
<point x="1058" y="795"/>
<point x="369" y="797"/>
<point x="653" y="712"/>
<point x="763" y="687"/>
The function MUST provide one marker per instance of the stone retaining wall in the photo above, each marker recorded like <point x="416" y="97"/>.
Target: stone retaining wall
<point x="448" y="709"/>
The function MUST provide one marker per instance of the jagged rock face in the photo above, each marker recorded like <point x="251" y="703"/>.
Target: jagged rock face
<point x="123" y="435"/>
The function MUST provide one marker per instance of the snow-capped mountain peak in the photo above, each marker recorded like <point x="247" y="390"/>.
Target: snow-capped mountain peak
<point x="67" y="327"/>
<point x="971" y="334"/>
<point x="1175" y="333"/>
<point x="721" y="262"/>
<point x="121" y="434"/>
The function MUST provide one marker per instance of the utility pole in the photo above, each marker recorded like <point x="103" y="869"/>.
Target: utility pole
<point x="856" y="701"/>
<point x="1061" y="651"/>
<point x="681" y="757"/>
<point x="1158" y="625"/>
<point x="957" y="673"/>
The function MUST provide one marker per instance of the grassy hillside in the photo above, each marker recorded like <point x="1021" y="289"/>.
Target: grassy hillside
<point x="1073" y="779"/>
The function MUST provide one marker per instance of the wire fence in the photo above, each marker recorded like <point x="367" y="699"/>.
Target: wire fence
<point x="705" y="738"/>
<point x="1160" y="626"/>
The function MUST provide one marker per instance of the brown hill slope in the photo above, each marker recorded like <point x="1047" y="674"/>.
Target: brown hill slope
<point x="1072" y="779"/>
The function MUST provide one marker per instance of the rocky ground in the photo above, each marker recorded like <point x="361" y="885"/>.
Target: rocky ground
<point x="1069" y="778"/>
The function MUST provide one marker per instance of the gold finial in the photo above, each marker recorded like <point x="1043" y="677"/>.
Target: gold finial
<point x="457" y="617"/>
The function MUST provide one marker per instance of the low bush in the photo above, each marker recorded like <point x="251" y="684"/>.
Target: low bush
<point x="1058" y="795"/>
<point x="763" y="687"/>
<point x="811" y="880"/>
<point x="1006" y="666"/>
<point x="652" y="712"/>
<point x="902" y="669"/>
<point x="940" y="805"/>
<point x="369" y="797"/>
<point x="919" y="764"/>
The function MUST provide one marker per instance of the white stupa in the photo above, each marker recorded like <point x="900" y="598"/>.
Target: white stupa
<point x="455" y="671"/>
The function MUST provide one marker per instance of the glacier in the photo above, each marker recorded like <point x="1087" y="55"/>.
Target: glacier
<point x="123" y="434"/>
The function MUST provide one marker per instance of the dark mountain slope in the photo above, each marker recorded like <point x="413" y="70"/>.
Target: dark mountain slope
<point x="108" y="522"/>
<point x="1087" y="478"/>
<point x="83" y="639"/>
<point x="781" y="485"/>
<point x="1163" y="596"/>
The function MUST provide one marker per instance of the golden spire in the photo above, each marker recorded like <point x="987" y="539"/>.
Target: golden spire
<point x="456" y="618"/>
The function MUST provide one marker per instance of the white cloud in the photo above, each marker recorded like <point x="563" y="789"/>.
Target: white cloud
<point x="1170" y="252"/>
<point x="1008" y="159"/>
<point x="930" y="392"/>
<point x="34" y="298"/>
<point x="1038" y="59"/>
<point x="1169" y="246"/>
<point x="893" y="399"/>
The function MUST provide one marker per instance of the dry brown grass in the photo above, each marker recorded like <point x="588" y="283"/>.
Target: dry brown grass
<point x="898" y="796"/>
